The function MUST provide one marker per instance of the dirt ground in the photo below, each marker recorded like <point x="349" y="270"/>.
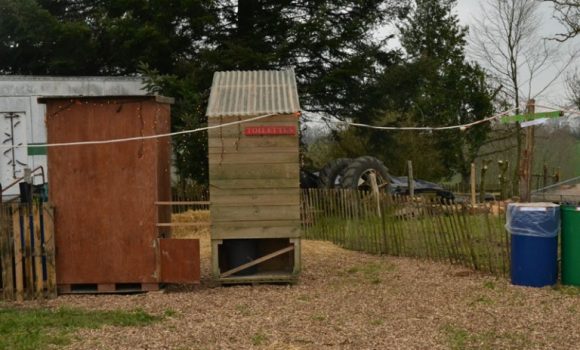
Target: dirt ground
<point x="345" y="300"/>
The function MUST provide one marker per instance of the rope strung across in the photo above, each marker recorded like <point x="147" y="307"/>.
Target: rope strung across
<point x="191" y="131"/>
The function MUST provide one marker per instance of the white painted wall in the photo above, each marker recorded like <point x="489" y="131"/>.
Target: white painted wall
<point x="19" y="94"/>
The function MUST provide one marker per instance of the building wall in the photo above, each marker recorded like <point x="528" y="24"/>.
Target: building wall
<point x="18" y="96"/>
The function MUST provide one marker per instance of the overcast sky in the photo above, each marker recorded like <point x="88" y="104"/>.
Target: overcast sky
<point x="556" y="94"/>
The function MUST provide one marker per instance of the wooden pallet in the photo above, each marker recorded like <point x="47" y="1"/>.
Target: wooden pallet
<point x="27" y="255"/>
<point x="107" y="288"/>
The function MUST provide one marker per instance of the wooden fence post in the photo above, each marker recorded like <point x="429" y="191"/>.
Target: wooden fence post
<point x="503" y="168"/>
<point x="472" y="182"/>
<point x="527" y="161"/>
<point x="484" y="165"/>
<point x="410" y="179"/>
<point x="375" y="186"/>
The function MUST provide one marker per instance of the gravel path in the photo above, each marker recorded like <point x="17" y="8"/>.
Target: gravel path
<point x="346" y="300"/>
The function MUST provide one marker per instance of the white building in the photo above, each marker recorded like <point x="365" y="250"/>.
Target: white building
<point x="22" y="120"/>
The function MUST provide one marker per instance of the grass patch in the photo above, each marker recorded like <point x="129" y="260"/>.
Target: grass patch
<point x="243" y="309"/>
<point x="567" y="290"/>
<point x="459" y="338"/>
<point x="259" y="339"/>
<point x="319" y="317"/>
<point x="489" y="285"/>
<point x="482" y="299"/>
<point x="352" y="270"/>
<point x="303" y="297"/>
<point x="370" y="272"/>
<point x="377" y="322"/>
<point x="456" y="337"/>
<point x="41" y="328"/>
<point x="169" y="313"/>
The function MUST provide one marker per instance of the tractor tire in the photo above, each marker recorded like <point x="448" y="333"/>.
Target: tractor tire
<point x="328" y="175"/>
<point x="356" y="174"/>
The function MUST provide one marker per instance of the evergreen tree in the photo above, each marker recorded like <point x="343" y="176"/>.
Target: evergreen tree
<point x="343" y="70"/>
<point x="180" y="43"/>
<point x="445" y="88"/>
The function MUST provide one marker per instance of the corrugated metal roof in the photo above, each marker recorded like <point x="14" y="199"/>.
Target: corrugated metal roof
<point x="246" y="93"/>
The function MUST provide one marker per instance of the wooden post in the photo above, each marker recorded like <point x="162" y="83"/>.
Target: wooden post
<point x="375" y="186"/>
<point x="503" y="167"/>
<point x="18" y="254"/>
<point x="49" y="250"/>
<point x="527" y="159"/>
<point x="27" y="250"/>
<point x="484" y="165"/>
<point x="473" y="198"/>
<point x="37" y="253"/>
<point x="6" y="252"/>
<point x="545" y="175"/>
<point x="410" y="179"/>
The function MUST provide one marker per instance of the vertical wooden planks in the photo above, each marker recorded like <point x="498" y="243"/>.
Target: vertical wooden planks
<point x="345" y="214"/>
<point x="466" y="230"/>
<point x="427" y="228"/>
<point x="37" y="253"/>
<point x="26" y="252"/>
<point x="49" y="249"/>
<point x="427" y="231"/>
<point x="381" y="228"/>
<point x="505" y="243"/>
<point x="27" y="232"/>
<point x="18" y="259"/>
<point x="297" y="242"/>
<point x="492" y="258"/>
<point x="7" y="252"/>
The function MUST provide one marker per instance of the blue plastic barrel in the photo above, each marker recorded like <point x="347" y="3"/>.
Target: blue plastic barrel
<point x="534" y="231"/>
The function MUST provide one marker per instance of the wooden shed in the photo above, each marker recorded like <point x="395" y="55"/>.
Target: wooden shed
<point x="105" y="195"/>
<point x="254" y="176"/>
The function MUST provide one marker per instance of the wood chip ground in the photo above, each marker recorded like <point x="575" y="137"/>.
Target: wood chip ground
<point x="345" y="300"/>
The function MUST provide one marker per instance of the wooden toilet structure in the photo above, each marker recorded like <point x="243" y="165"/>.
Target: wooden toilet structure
<point x="254" y="173"/>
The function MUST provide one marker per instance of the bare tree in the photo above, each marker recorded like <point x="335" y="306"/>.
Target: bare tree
<point x="567" y="12"/>
<point x="573" y="84"/>
<point x="507" y="43"/>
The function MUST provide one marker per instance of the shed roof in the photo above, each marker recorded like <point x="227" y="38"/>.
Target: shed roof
<point x="245" y="93"/>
